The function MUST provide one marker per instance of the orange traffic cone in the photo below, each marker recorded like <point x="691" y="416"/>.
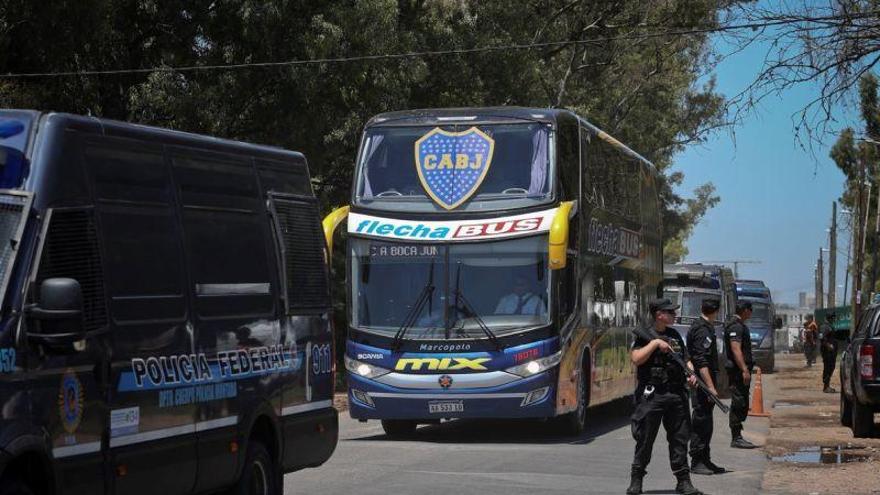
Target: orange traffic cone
<point x="757" y="407"/>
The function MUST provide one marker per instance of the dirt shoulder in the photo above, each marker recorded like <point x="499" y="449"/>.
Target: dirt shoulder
<point x="806" y="443"/>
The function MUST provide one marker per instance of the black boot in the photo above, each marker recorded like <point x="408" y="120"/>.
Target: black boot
<point x="714" y="467"/>
<point x="684" y="485"/>
<point x="635" y="484"/>
<point x="739" y="442"/>
<point x="699" y="465"/>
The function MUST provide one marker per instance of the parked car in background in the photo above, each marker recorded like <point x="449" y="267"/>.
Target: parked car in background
<point x="859" y="380"/>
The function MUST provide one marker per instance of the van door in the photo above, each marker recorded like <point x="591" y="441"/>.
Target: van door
<point x="152" y="413"/>
<point x="67" y="385"/>
<point x="234" y="293"/>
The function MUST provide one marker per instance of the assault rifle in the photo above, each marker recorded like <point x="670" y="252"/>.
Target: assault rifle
<point x="676" y="358"/>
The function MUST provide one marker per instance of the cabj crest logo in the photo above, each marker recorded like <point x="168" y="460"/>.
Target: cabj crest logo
<point x="70" y="401"/>
<point x="452" y="165"/>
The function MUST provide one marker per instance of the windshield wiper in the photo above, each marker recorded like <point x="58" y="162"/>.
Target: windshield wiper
<point x="425" y="296"/>
<point x="459" y="298"/>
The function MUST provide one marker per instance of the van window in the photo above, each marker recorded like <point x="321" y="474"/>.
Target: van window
<point x="71" y="250"/>
<point x="141" y="243"/>
<point x="302" y="244"/>
<point x="226" y="235"/>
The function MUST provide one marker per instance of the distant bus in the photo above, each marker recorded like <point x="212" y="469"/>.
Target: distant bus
<point x="498" y="259"/>
<point x="165" y="312"/>
<point x="688" y="284"/>
<point x="763" y="321"/>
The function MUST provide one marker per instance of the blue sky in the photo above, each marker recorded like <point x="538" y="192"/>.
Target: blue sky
<point x="775" y="196"/>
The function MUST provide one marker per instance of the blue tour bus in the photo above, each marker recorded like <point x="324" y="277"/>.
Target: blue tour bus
<point x="497" y="261"/>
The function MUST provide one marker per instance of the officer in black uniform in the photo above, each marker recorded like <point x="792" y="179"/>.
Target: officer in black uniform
<point x="703" y="349"/>
<point x="661" y="397"/>
<point x="739" y="363"/>
<point x="828" y="344"/>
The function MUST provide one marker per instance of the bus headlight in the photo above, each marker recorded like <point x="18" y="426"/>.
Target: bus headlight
<point x="363" y="369"/>
<point x="537" y="366"/>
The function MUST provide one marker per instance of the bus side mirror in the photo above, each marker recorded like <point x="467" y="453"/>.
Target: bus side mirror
<point x="58" y="314"/>
<point x="777" y="323"/>
<point x="558" y="239"/>
<point x="330" y="223"/>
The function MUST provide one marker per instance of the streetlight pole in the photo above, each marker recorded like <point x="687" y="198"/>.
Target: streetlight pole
<point x="832" y="258"/>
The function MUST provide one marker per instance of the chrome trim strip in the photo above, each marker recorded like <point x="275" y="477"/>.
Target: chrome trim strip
<point x="80" y="449"/>
<point x="149" y="436"/>
<point x="461" y="380"/>
<point x="310" y="406"/>
<point x="389" y="395"/>
<point x="217" y="423"/>
<point x="232" y="289"/>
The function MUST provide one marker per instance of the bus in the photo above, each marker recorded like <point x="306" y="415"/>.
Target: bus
<point x="688" y="284"/>
<point x="165" y="312"/>
<point x="497" y="261"/>
<point x="763" y="323"/>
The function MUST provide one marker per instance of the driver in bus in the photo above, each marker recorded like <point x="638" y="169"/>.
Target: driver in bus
<point x="521" y="301"/>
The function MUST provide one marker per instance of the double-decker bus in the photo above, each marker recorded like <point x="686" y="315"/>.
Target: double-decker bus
<point x="497" y="261"/>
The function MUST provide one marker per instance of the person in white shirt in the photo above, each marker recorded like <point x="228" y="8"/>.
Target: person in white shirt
<point x="522" y="301"/>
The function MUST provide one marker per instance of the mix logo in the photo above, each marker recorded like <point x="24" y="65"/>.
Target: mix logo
<point x="442" y="364"/>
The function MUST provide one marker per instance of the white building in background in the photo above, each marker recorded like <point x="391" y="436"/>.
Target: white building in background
<point x="788" y="338"/>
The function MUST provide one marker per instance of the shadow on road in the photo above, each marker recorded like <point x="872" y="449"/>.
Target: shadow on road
<point x="600" y="420"/>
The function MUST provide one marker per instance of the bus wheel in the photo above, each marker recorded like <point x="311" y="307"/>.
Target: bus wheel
<point x="575" y="422"/>
<point x="260" y="475"/>
<point x="398" y="427"/>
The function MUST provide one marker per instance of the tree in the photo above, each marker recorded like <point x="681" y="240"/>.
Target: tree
<point x="642" y="90"/>
<point x="829" y="45"/>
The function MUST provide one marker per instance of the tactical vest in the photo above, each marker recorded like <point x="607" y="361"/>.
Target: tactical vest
<point x="659" y="370"/>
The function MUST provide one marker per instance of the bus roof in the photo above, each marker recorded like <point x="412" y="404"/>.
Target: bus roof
<point x="496" y="115"/>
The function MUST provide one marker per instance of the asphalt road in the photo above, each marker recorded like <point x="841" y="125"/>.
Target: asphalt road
<point x="517" y="457"/>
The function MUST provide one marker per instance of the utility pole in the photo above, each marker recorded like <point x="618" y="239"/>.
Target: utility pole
<point x="820" y="285"/>
<point x="858" y="249"/>
<point x="832" y="258"/>
<point x="874" y="254"/>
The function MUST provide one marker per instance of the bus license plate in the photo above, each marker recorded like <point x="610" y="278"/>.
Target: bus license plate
<point x="446" y="406"/>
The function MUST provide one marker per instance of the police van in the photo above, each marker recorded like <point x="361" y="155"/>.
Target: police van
<point x="164" y="322"/>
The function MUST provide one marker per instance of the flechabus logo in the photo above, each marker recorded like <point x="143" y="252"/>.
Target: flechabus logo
<point x="490" y="228"/>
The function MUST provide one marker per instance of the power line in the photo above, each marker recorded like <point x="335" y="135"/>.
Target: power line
<point x="459" y="51"/>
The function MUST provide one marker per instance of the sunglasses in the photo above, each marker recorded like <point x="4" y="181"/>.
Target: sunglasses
<point x="668" y="311"/>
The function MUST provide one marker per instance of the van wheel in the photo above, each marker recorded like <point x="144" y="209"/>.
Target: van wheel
<point x="575" y="422"/>
<point x="399" y="427"/>
<point x="862" y="420"/>
<point x="260" y="476"/>
<point x="845" y="410"/>
<point x="14" y="486"/>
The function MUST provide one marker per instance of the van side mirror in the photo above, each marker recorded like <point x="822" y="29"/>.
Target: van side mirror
<point x="13" y="167"/>
<point x="58" y="314"/>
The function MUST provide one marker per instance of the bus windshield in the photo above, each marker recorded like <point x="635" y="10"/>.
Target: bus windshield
<point x="449" y="291"/>
<point x="760" y="312"/>
<point x="518" y="168"/>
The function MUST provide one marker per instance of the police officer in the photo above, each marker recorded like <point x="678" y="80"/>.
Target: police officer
<point x="660" y="397"/>
<point x="703" y="349"/>
<point x="739" y="363"/>
<point x="829" y="352"/>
